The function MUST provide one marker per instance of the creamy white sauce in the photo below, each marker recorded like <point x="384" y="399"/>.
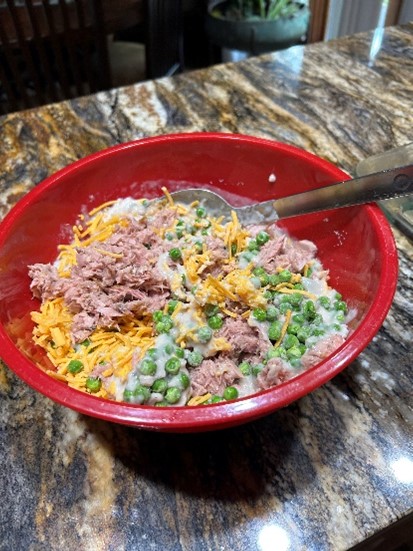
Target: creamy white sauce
<point x="127" y="206"/>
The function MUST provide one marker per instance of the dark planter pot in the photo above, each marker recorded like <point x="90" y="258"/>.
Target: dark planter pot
<point x="257" y="36"/>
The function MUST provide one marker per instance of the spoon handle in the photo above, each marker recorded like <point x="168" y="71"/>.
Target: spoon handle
<point x="379" y="186"/>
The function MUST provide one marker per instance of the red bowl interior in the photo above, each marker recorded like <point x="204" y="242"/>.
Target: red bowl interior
<point x="354" y="243"/>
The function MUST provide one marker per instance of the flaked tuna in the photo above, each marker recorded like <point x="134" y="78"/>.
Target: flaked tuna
<point x="213" y="376"/>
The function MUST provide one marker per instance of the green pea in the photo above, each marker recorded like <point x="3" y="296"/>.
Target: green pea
<point x="195" y="358"/>
<point x="293" y="328"/>
<point x="142" y="393"/>
<point x="290" y="340"/>
<point x="85" y="343"/>
<point x="262" y="238"/>
<point x="161" y="327"/>
<point x="157" y="315"/>
<point x="147" y="367"/>
<point x="161" y="404"/>
<point x="139" y="393"/>
<point x="325" y="302"/>
<point x="318" y="319"/>
<point x="160" y="385"/>
<point x="204" y="334"/>
<point x="230" y="393"/>
<point x="285" y="306"/>
<point x="152" y="353"/>
<point x="268" y="295"/>
<point x="294" y="352"/>
<point x="256" y="369"/>
<point x="340" y="305"/>
<point x="272" y="313"/>
<point x="210" y="310"/>
<point x="317" y="332"/>
<point x="298" y="318"/>
<point x="274" y="280"/>
<point x="248" y="256"/>
<point x="172" y="304"/>
<point x="165" y="325"/>
<point x="245" y="368"/>
<point x="175" y="254"/>
<point x="282" y="353"/>
<point x="338" y="296"/>
<point x="179" y="352"/>
<point x="184" y="380"/>
<point x="173" y="365"/>
<point x="75" y="366"/>
<point x="303" y="334"/>
<point x="273" y="353"/>
<point x="296" y="299"/>
<point x="340" y="316"/>
<point x="169" y="236"/>
<point x="309" y="310"/>
<point x="259" y="314"/>
<point x="253" y="245"/>
<point x="179" y="233"/>
<point x="299" y="286"/>
<point x="284" y="276"/>
<point x="274" y="330"/>
<point x="169" y="349"/>
<point x="128" y="395"/>
<point x="173" y="394"/>
<point x="201" y="212"/>
<point x="262" y="275"/>
<point x="93" y="384"/>
<point x="199" y="246"/>
<point x="215" y="322"/>
<point x="295" y="362"/>
<point x="215" y="399"/>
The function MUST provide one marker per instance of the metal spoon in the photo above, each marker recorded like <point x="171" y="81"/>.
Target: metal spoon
<point x="379" y="186"/>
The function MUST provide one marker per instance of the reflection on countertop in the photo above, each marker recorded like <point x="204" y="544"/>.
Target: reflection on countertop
<point x="325" y="473"/>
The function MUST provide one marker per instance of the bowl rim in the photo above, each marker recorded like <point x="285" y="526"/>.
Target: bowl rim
<point x="220" y="415"/>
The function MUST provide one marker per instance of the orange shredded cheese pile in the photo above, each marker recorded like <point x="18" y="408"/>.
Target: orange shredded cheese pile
<point x="112" y="349"/>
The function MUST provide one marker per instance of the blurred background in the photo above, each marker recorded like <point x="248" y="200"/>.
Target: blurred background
<point x="57" y="49"/>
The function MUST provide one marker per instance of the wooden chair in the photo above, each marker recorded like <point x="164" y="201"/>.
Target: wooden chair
<point x="164" y="37"/>
<point x="51" y="50"/>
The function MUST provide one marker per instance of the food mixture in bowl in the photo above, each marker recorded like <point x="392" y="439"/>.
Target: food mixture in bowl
<point x="166" y="304"/>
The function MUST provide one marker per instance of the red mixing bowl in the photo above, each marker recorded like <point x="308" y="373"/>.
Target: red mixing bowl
<point x="354" y="243"/>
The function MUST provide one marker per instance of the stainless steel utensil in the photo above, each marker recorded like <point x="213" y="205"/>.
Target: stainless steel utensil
<point x="379" y="186"/>
<point x="399" y="210"/>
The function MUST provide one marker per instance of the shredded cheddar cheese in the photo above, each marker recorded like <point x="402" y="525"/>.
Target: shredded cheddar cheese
<point x="198" y="400"/>
<point x="284" y="328"/>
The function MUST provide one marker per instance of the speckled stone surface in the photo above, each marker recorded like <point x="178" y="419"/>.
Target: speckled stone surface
<point x="325" y="473"/>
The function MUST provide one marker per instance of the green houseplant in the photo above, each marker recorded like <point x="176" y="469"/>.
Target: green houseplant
<point x="257" y="26"/>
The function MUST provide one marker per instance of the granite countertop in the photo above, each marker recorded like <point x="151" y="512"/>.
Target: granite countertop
<point x="326" y="473"/>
